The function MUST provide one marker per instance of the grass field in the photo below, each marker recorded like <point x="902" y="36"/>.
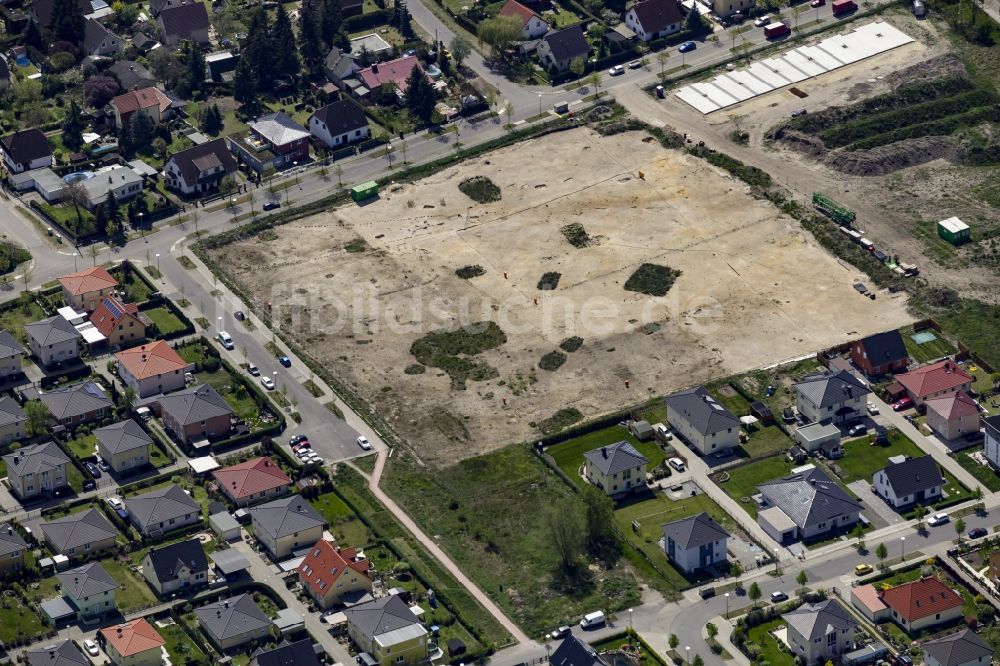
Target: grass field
<point x="344" y="523"/>
<point x="82" y="447"/>
<point x="569" y="454"/>
<point x="772" y="651"/>
<point x="492" y="514"/>
<point x="179" y="645"/>
<point x="764" y="441"/>
<point x="743" y="481"/>
<point x="921" y="353"/>
<point x="166" y="322"/>
<point x="16" y="315"/>
<point x="983" y="473"/>
<point x="134" y="593"/>
<point x="17" y="621"/>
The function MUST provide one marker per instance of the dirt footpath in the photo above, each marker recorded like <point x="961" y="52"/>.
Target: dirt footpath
<point x="754" y="289"/>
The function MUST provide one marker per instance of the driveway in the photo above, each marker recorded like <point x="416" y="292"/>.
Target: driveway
<point x="875" y="504"/>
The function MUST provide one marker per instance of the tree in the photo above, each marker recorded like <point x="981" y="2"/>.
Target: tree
<point x="100" y="220"/>
<point x="112" y="215"/>
<point x="802" y="579"/>
<point x="38" y="417"/>
<point x="601" y="539"/>
<point x="460" y="50"/>
<point x="995" y="378"/>
<point x="268" y="174"/>
<point x="736" y="570"/>
<point x="697" y="661"/>
<point x="595" y="80"/>
<point x="419" y="95"/>
<point x="500" y="33"/>
<point x="128" y="397"/>
<point x="754" y="593"/>
<point x="32" y="37"/>
<point x="694" y="23"/>
<point x="257" y="50"/>
<point x="68" y="22"/>
<point x="919" y="511"/>
<point x="141" y="130"/>
<point x="859" y="534"/>
<point x="98" y="90"/>
<point x="564" y="530"/>
<point x="881" y="552"/>
<point x="72" y="127"/>
<point x="508" y="110"/>
<point x="310" y="40"/>
<point x="76" y="195"/>
<point x="796" y="11"/>
<point x="402" y="19"/>
<point x="331" y="22"/>
<point x="673" y="641"/>
<point x="227" y="186"/>
<point x="960" y="528"/>
<point x="663" y="57"/>
<point x="211" y="120"/>
<point x="245" y="86"/>
<point x="577" y="66"/>
<point x="125" y="14"/>
<point x="977" y="494"/>
<point x="711" y="630"/>
<point x="283" y="56"/>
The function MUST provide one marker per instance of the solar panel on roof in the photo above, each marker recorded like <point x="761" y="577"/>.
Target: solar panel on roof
<point x="113" y="308"/>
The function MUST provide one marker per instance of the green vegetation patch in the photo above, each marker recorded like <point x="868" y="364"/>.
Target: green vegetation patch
<point x="576" y="235"/>
<point x="186" y="262"/>
<point x="984" y="474"/>
<point x="313" y="388"/>
<point x="571" y="344"/>
<point x="450" y="351"/>
<point x="549" y="281"/>
<point x="562" y="419"/>
<point x="165" y="321"/>
<point x="415" y="369"/>
<point x="652" y="279"/>
<point x="552" y="361"/>
<point x="356" y="246"/>
<point x="11" y="256"/>
<point x="469" y="272"/>
<point x="568" y="455"/>
<point x="480" y="189"/>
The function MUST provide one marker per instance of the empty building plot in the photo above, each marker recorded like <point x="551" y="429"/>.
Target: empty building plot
<point x="793" y="66"/>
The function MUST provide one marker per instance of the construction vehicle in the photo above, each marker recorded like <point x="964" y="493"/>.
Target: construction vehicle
<point x="840" y="214"/>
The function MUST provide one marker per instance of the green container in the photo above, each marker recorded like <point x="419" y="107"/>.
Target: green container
<point x="364" y="191"/>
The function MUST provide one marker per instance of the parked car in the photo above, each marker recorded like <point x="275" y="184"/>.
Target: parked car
<point x="253" y="370"/>
<point x="297" y="439"/>
<point x="687" y="46"/>
<point x="977" y="533"/>
<point x="594" y="619"/>
<point x="706" y="592"/>
<point x="89" y="484"/>
<point x="664" y="432"/>
<point x="724" y="453"/>
<point x="903" y="403"/>
<point x="799" y="112"/>
<point x="267" y="383"/>
<point x="817" y="3"/>
<point x="271" y="205"/>
<point x="761" y="21"/>
<point x="857" y="429"/>
<point x="873" y="409"/>
<point x="226" y="340"/>
<point x="635" y="64"/>
<point x="561" y="632"/>
<point x="938" y="519"/>
<point x="285" y="361"/>
<point x="116" y="503"/>
<point x="364" y="443"/>
<point x="94" y="470"/>
<point x="91" y="647"/>
<point x="778" y="596"/>
<point x="862" y="569"/>
<point x="616" y="70"/>
<point x="677" y="464"/>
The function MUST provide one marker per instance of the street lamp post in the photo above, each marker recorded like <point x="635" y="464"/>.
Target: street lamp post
<point x="630" y="625"/>
<point x="539" y="103"/>
<point x="158" y="263"/>
<point x="687" y="651"/>
<point x="727" y="605"/>
<point x="220" y="323"/>
<point x="295" y="165"/>
<point x="902" y="543"/>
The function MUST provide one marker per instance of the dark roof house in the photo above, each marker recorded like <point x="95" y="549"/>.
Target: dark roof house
<point x="180" y="22"/>
<point x="160" y="506"/>
<point x="200" y="167"/>
<point x="560" y="47"/>
<point x="615" y="458"/>
<point x="809" y="498"/>
<point x="703" y="412"/>
<point x="831" y="388"/>
<point x="10" y="540"/>
<point x="229" y="619"/>
<point x="132" y="75"/>
<point x="285" y="516"/>
<point x="78" y="531"/>
<point x="960" y="649"/>
<point x="86" y="581"/>
<point x="299" y="653"/>
<point x="169" y="560"/>
<point x="76" y="402"/>
<point x="655" y="16"/>
<point x="341" y="117"/>
<point x="57" y="654"/>
<point x="880" y="353"/>
<point x="694" y="531"/>
<point x="194" y="404"/>
<point x="381" y="616"/>
<point x="26" y="149"/>
<point x="574" y="651"/>
<point x="122" y="437"/>
<point x="813" y="621"/>
<point x="914" y="477"/>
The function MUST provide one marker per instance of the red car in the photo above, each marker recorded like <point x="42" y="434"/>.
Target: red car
<point x="902" y="403"/>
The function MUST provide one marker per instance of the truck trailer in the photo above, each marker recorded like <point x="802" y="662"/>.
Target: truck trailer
<point x="774" y="30"/>
<point x="843" y="6"/>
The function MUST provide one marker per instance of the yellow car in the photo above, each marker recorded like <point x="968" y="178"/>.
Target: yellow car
<point x="862" y="569"/>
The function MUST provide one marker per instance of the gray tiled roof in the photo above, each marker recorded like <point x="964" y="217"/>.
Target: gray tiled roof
<point x="567" y="43"/>
<point x="76" y="400"/>
<point x="694" y="531"/>
<point x="57" y="654"/>
<point x="299" y="653"/>
<point x="381" y="616"/>
<point x="182" y="21"/>
<point x="285" y="516"/>
<point x="884" y="347"/>
<point x="194" y="404"/>
<point x="227" y="618"/>
<point x="615" y="458"/>
<point x="169" y="560"/>
<point x="8" y="345"/>
<point x="86" y="581"/>
<point x="814" y="621"/>
<point x="10" y="540"/>
<point x="160" y="505"/>
<point x="831" y="388"/>
<point x="51" y="331"/>
<point x="35" y="459"/>
<point x="123" y="436"/>
<point x="913" y="475"/>
<point x="809" y="498"/>
<point x="957" y="649"/>
<point x="77" y="530"/>
<point x="702" y="411"/>
<point x="94" y="34"/>
<point x="576" y="652"/>
<point x="11" y="412"/>
<point x="341" y="117"/>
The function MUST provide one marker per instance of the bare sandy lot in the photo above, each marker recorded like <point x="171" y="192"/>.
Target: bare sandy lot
<point x="754" y="289"/>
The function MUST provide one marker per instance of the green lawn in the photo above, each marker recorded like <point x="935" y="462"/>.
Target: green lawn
<point x="983" y="473"/>
<point x="157" y="458"/>
<point x="82" y="447"/>
<point x="921" y="353"/>
<point x="232" y="391"/>
<point x="772" y="650"/>
<point x="75" y="478"/>
<point x="15" y="315"/>
<point x="42" y="589"/>
<point x="344" y="523"/>
<point x="765" y="441"/>
<point x="166" y="322"/>
<point x="18" y="622"/>
<point x="136" y="290"/>
<point x="179" y="645"/>
<point x="729" y="397"/>
<point x="134" y="592"/>
<point x="743" y="481"/>
<point x="569" y="454"/>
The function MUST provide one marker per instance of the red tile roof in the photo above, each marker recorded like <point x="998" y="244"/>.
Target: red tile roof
<point x="517" y="10"/>
<point x="110" y="313"/>
<point x="133" y="637"/>
<point x="251" y="477"/>
<point x="150" y="360"/>
<point x="146" y="98"/>
<point x="934" y="378"/>
<point x="921" y="598"/>
<point x="394" y="71"/>
<point x="324" y="565"/>
<point x="88" y="280"/>
<point x="953" y="405"/>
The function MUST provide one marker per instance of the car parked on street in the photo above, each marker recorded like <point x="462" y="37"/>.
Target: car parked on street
<point x="862" y="569"/>
<point x="778" y="596"/>
<point x="285" y="361"/>
<point x="817" y="3"/>
<point x="272" y="205"/>
<point x="761" y="21"/>
<point x="253" y="370"/>
<point x="687" y="46"/>
<point x="364" y="443"/>
<point x="616" y="70"/>
<point x="94" y="470"/>
<point x="267" y="383"/>
<point x="91" y="647"/>
<point x="226" y="340"/>
<point x="857" y="429"/>
<point x="635" y="64"/>
<point x="873" y="409"/>
<point x="561" y="632"/>
<point x="938" y="519"/>
<point x="977" y="533"/>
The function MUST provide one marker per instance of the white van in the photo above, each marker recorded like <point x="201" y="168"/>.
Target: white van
<point x="225" y="339"/>
<point x="677" y="464"/>
<point x="591" y="620"/>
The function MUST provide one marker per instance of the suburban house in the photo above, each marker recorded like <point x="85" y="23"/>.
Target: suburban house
<point x="134" y="643"/>
<point x="53" y="340"/>
<point x="274" y="140"/>
<point x="195" y="413"/>
<point x="12" y="548"/>
<point x="251" y="481"/>
<point x="532" y="25"/>
<point x="84" y="290"/>
<point x="575" y="651"/>
<point x="11" y="352"/>
<point x="392" y="72"/>
<point x="299" y="653"/>
<point x="122" y="180"/>
<point x="820" y="632"/>
<point x="339" y="66"/>
<point x="99" y="41"/>
<point x="616" y="469"/>
<point x="880" y="354"/>
<point x="823" y="437"/>
<point x="61" y="654"/>
<point x="90" y="589"/>
<point x="131" y="75"/>
<point x="162" y="510"/>
<point x="703" y="423"/>
<point x="805" y="505"/>
<point x="724" y="8"/>
<point x="930" y="381"/>
<point x="922" y="603"/>
<point x="79" y="534"/>
<point x="157" y="6"/>
<point x="77" y="404"/>
<point x="229" y="623"/>
<point x="183" y="22"/>
<point x="150" y="101"/>
<point x="12" y="420"/>
<point x="952" y="415"/>
<point x="36" y="469"/>
<point x="866" y="599"/>
<point x="328" y="572"/>
<point x="287" y="524"/>
<point x="835" y="397"/>
<point x="909" y="481"/>
<point x="653" y="19"/>
<point x="41" y="11"/>
<point x="696" y="542"/>
<point x="120" y="323"/>
<point x="180" y="566"/>
<point x="26" y="150"/>
<point x="388" y="630"/>
<point x="339" y="124"/>
<point x="199" y="169"/>
<point x="559" y="48"/>
<point x="992" y="446"/>
<point x="964" y="648"/>
<point x="152" y="368"/>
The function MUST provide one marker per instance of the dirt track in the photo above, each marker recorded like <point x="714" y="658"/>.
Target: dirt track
<point x="754" y="288"/>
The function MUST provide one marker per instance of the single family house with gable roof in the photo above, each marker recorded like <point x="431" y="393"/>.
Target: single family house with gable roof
<point x="199" y="169"/>
<point x="930" y="381"/>
<point x="532" y="25"/>
<point x="99" y="41"/>
<point x="922" y="603"/>
<point x="880" y="354"/>
<point x="180" y="566"/>
<point x="328" y="572"/>
<point x="574" y="651"/>
<point x="120" y="323"/>
<point x="653" y="19"/>
<point x="26" y="150"/>
<point x="339" y="123"/>
<point x="84" y="290"/>
<point x="702" y="421"/>
<point x="559" y="48"/>
<point x="695" y="542"/>
<point x="912" y="481"/>
<point x="183" y="22"/>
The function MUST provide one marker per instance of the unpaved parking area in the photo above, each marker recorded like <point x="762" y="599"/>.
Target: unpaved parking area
<point x="754" y="289"/>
